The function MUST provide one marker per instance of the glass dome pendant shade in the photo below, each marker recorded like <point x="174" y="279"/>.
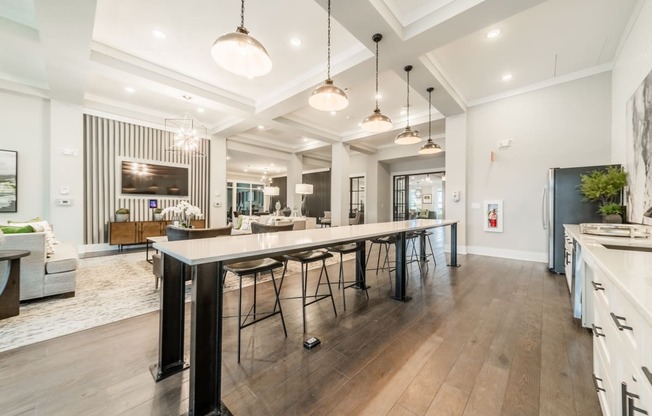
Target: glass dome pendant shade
<point x="328" y="97"/>
<point x="377" y="122"/>
<point x="408" y="136"/>
<point x="241" y="54"/>
<point x="430" y="148"/>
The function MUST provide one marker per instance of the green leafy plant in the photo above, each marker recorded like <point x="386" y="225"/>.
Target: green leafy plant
<point x="122" y="211"/>
<point x="610" y="209"/>
<point x="158" y="210"/>
<point x="604" y="186"/>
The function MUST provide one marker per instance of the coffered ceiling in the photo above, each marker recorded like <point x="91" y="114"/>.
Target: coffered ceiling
<point x="89" y="51"/>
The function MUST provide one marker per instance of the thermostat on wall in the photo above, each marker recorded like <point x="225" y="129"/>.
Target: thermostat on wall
<point x="64" y="202"/>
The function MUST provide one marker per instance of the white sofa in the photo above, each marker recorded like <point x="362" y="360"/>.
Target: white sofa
<point x="42" y="276"/>
<point x="300" y="223"/>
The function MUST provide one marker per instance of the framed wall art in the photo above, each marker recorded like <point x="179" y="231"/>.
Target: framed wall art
<point x="427" y="198"/>
<point x="493" y="216"/>
<point x="8" y="181"/>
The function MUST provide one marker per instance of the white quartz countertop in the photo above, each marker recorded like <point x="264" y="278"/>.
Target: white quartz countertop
<point x="631" y="271"/>
<point x="208" y="250"/>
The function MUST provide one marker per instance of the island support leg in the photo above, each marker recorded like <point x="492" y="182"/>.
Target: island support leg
<point x="400" y="273"/>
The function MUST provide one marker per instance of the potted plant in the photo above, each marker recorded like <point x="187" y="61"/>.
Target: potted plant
<point x="158" y="214"/>
<point x="122" y="214"/>
<point x="605" y="186"/>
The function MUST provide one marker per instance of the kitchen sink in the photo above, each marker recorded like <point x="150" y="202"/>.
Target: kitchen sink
<point x="627" y="248"/>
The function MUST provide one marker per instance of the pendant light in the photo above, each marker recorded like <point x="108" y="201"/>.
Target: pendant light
<point x="328" y="97"/>
<point x="377" y="122"/>
<point x="408" y="136"/>
<point x="430" y="147"/>
<point x="240" y="53"/>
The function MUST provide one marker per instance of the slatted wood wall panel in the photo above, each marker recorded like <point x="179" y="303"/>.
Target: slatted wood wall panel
<point x="105" y="143"/>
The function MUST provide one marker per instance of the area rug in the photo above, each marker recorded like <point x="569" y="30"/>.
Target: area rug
<point x="109" y="289"/>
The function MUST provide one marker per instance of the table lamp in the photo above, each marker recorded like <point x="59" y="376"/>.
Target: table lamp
<point x="303" y="189"/>
<point x="273" y="191"/>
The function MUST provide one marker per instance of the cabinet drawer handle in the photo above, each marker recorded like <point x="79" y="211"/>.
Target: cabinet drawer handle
<point x="597" y="285"/>
<point x="627" y="400"/>
<point x="633" y="408"/>
<point x="647" y="374"/>
<point x="595" y="331"/>
<point x="595" y="384"/>
<point x="617" y="320"/>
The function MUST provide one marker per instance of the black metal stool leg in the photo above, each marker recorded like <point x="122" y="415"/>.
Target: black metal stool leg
<point x="278" y="301"/>
<point x="239" y="316"/>
<point x="328" y="283"/>
<point x="304" y="283"/>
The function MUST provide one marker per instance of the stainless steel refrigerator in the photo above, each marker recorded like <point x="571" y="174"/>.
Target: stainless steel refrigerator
<point x="563" y="204"/>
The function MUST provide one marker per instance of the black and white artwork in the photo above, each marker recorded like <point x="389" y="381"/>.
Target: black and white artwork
<point x="639" y="151"/>
<point x="8" y="180"/>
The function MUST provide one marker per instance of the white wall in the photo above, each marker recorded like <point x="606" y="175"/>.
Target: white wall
<point x="561" y="126"/>
<point x="25" y="129"/>
<point x="632" y="65"/>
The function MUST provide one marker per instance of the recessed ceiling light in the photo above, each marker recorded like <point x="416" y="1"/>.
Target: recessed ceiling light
<point x="200" y="110"/>
<point x="130" y="90"/>
<point x="296" y="42"/>
<point x="246" y="170"/>
<point x="305" y="139"/>
<point x="333" y="113"/>
<point x="507" y="77"/>
<point x="379" y="96"/>
<point x="348" y="117"/>
<point x="228" y="158"/>
<point x="493" y="33"/>
<point x="271" y="164"/>
<point x="260" y="127"/>
<point x="158" y="34"/>
<point x="360" y="124"/>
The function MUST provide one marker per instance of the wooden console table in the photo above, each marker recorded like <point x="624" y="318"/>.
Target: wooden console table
<point x="10" y="288"/>
<point x="136" y="232"/>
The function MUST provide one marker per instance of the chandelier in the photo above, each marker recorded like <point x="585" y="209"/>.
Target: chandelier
<point x="187" y="133"/>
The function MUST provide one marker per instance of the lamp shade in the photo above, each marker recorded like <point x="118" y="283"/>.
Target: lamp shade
<point x="241" y="54"/>
<point x="408" y="136"/>
<point x="377" y="122"/>
<point x="271" y="190"/>
<point x="430" y="148"/>
<point x="328" y="97"/>
<point x="303" y="189"/>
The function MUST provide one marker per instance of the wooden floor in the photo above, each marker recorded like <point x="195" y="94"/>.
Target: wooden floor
<point x="493" y="337"/>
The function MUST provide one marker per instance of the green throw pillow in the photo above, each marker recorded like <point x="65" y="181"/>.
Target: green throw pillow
<point x="239" y="224"/>
<point x="10" y="229"/>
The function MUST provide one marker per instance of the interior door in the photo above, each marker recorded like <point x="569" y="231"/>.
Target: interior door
<point x="400" y="198"/>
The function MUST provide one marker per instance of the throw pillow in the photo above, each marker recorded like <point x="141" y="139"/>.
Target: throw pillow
<point x="239" y="223"/>
<point x="37" y="219"/>
<point x="247" y="220"/>
<point x="43" y="226"/>
<point x="13" y="229"/>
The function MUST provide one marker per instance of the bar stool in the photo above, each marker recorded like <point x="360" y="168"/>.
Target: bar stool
<point x="411" y="242"/>
<point x="383" y="242"/>
<point x="343" y="249"/>
<point x="305" y="258"/>
<point x="426" y="234"/>
<point x="255" y="267"/>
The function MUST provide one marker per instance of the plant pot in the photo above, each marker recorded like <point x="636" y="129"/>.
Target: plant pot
<point x="612" y="219"/>
<point x="158" y="217"/>
<point x="286" y="211"/>
<point x="121" y="217"/>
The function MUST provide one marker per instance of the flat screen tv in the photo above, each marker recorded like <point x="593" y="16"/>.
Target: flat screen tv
<point x="150" y="179"/>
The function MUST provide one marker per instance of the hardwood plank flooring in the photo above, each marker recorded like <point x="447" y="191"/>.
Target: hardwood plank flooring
<point x="493" y="337"/>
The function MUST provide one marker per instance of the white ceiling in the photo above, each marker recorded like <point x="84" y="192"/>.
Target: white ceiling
<point x="89" y="51"/>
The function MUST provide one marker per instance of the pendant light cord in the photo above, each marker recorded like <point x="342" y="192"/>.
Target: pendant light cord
<point x="329" y="39"/>
<point x="376" y="75"/>
<point x="242" y="14"/>
<point x="429" y="112"/>
<point x="408" y="99"/>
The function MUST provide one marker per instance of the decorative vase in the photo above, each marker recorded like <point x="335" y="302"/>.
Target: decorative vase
<point x="158" y="217"/>
<point x="121" y="217"/>
<point x="612" y="219"/>
<point x="286" y="211"/>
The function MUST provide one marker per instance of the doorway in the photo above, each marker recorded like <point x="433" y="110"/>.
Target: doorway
<point x="419" y="196"/>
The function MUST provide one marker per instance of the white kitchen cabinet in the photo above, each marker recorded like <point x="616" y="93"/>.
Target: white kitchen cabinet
<point x="618" y="291"/>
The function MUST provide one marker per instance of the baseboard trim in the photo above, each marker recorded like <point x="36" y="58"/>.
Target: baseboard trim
<point x="508" y="254"/>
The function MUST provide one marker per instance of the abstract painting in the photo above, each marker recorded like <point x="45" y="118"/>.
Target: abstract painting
<point x="639" y="152"/>
<point x="8" y="180"/>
